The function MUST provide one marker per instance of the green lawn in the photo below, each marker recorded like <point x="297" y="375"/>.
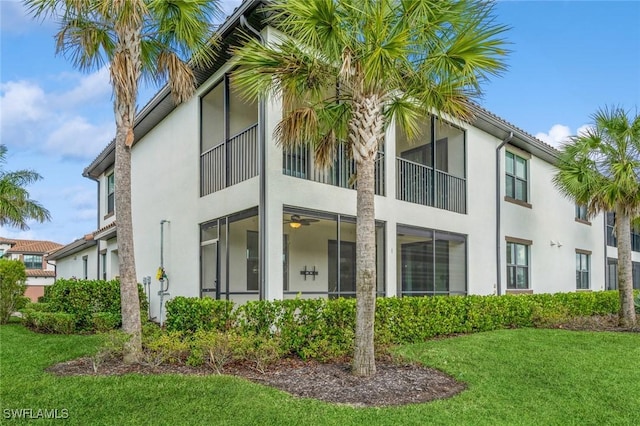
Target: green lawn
<point x="527" y="376"/>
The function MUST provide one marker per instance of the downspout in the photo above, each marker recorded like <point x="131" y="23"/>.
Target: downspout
<point x="55" y="270"/>
<point x="498" y="218"/>
<point x="262" y="167"/>
<point x="606" y="261"/>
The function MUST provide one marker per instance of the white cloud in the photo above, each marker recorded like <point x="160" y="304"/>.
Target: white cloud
<point x="582" y="130"/>
<point x="80" y="197"/>
<point x="15" y="18"/>
<point x="557" y="135"/>
<point x="55" y="122"/>
<point x="560" y="134"/>
<point x="94" y="86"/>
<point x="22" y="101"/>
<point x="77" y="138"/>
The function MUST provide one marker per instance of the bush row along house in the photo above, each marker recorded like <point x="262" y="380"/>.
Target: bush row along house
<point x="466" y="209"/>
<point x="35" y="256"/>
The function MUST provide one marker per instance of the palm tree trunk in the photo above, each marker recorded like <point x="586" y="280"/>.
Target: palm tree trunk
<point x="366" y="130"/>
<point x="627" y="313"/>
<point x="125" y="73"/>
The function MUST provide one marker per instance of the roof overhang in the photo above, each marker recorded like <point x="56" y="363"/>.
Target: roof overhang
<point x="74" y="247"/>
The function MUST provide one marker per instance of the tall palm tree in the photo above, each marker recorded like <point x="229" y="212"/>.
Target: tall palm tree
<point x="151" y="38"/>
<point x="344" y="69"/>
<point x="601" y="169"/>
<point x="16" y="208"/>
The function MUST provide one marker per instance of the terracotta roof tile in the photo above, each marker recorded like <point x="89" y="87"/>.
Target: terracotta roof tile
<point x="40" y="273"/>
<point x="33" y="246"/>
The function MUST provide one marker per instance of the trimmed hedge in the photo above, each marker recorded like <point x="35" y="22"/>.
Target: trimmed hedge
<point x="322" y="328"/>
<point x="85" y="298"/>
<point x="49" y="322"/>
<point x="194" y="314"/>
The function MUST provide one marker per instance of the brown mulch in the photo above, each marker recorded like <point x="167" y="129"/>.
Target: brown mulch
<point x="393" y="384"/>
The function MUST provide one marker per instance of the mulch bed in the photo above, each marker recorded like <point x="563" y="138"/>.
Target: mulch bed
<point x="393" y="384"/>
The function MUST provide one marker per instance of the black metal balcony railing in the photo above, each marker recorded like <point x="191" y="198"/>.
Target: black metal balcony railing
<point x="298" y="162"/>
<point x="230" y="162"/>
<point x="420" y="184"/>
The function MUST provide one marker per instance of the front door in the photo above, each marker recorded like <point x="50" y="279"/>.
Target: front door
<point x="209" y="270"/>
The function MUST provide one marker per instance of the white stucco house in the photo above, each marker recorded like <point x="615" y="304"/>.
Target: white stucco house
<point x="467" y="209"/>
<point x="40" y="268"/>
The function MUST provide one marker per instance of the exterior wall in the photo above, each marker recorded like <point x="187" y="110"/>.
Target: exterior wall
<point x="166" y="186"/>
<point x="72" y="265"/>
<point x="551" y="218"/>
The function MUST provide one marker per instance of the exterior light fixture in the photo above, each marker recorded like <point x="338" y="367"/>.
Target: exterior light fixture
<point x="295" y="225"/>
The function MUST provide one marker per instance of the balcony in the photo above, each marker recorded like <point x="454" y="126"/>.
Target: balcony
<point x="299" y="162"/>
<point x="229" y="138"/>
<point x="431" y="170"/>
<point x="420" y="184"/>
<point x="230" y="162"/>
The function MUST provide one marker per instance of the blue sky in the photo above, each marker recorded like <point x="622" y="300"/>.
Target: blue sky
<point x="568" y="59"/>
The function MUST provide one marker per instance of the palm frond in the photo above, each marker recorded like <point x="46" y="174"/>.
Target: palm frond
<point x="600" y="168"/>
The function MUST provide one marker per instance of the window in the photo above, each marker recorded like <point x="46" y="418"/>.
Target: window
<point x="431" y="262"/>
<point x="517" y="266"/>
<point x="516" y="177"/>
<point x="85" y="267"/>
<point x="582" y="270"/>
<point x="581" y="212"/>
<point x="33" y="261"/>
<point x="253" y="264"/>
<point x="110" y="193"/>
<point x="103" y="262"/>
<point x="611" y="236"/>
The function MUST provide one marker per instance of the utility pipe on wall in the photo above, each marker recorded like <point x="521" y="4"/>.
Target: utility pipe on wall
<point x="498" y="204"/>
<point x="162" y="276"/>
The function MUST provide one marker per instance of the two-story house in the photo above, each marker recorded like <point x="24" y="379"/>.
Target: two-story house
<point x="470" y="208"/>
<point x="35" y="256"/>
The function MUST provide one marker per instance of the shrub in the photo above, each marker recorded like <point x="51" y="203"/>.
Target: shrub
<point x="12" y="287"/>
<point x="324" y="328"/>
<point x="193" y="314"/>
<point x="169" y="347"/>
<point x="40" y="307"/>
<point x="83" y="298"/>
<point x="105" y="321"/>
<point x="260" y="351"/>
<point x="49" y="322"/>
<point x="217" y="349"/>
<point x="112" y="347"/>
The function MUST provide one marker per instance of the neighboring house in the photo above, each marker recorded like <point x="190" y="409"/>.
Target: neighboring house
<point x="35" y="256"/>
<point x="467" y="209"/>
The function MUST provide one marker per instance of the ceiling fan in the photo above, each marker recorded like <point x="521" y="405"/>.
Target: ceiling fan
<point x="296" y="221"/>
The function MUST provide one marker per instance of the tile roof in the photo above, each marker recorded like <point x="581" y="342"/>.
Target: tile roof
<point x="39" y="273"/>
<point x="32" y="246"/>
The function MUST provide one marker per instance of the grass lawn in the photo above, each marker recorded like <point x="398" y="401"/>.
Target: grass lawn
<point x="527" y="376"/>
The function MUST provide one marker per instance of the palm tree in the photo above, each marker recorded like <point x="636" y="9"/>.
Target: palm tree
<point x="344" y="69"/>
<point x="151" y="38"/>
<point x="16" y="208"/>
<point x="600" y="169"/>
